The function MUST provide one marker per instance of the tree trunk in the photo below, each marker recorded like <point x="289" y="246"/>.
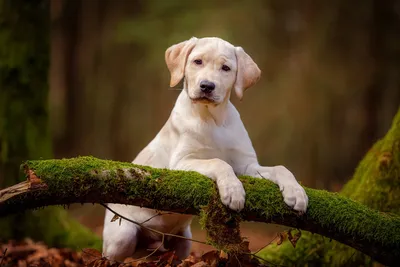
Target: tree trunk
<point x="24" y="131"/>
<point x="376" y="185"/>
<point x="90" y="180"/>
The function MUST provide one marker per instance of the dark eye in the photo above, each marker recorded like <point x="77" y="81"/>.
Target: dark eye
<point x="225" y="68"/>
<point x="198" y="61"/>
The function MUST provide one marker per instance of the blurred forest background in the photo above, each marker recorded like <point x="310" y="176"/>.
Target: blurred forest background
<point x="330" y="84"/>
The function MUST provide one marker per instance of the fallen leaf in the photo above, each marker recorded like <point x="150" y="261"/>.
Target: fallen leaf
<point x="211" y="257"/>
<point x="293" y="239"/>
<point x="90" y="255"/>
<point x="223" y="255"/>
<point x="189" y="261"/>
<point x="281" y="237"/>
<point x="116" y="217"/>
<point x="201" y="264"/>
<point x="167" y="257"/>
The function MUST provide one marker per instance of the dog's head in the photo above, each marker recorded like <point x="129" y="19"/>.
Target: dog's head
<point x="212" y="67"/>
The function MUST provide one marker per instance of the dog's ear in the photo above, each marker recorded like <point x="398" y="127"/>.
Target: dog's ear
<point x="176" y="57"/>
<point x="247" y="74"/>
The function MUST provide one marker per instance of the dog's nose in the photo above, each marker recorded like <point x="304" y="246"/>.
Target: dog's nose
<point x="207" y="86"/>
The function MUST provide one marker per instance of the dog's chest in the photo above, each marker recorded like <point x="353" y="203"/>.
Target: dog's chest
<point x="218" y="142"/>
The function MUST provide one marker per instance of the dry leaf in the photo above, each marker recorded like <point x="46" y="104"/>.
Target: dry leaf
<point x="90" y="255"/>
<point x="281" y="237"/>
<point x="168" y="257"/>
<point x="189" y="261"/>
<point x="201" y="264"/>
<point x="293" y="239"/>
<point x="211" y="257"/>
<point x="116" y="217"/>
<point x="223" y="255"/>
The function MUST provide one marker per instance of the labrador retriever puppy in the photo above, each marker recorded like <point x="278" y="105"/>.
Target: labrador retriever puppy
<point x="204" y="133"/>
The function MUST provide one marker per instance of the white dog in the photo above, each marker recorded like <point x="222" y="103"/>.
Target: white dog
<point x="204" y="133"/>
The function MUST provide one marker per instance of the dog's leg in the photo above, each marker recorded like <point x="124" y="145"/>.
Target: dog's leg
<point x="293" y="194"/>
<point x="229" y="186"/>
<point x="182" y="246"/>
<point x="119" y="241"/>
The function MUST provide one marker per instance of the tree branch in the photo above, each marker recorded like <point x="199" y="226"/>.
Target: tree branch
<point x="91" y="180"/>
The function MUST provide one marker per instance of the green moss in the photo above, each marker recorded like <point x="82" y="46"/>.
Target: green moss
<point x="376" y="181"/>
<point x="264" y="197"/>
<point x="222" y="226"/>
<point x="376" y="184"/>
<point x="161" y="187"/>
<point x="313" y="250"/>
<point x="177" y="189"/>
<point x="190" y="192"/>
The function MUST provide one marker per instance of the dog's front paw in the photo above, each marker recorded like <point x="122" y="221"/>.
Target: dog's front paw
<point x="232" y="194"/>
<point x="295" y="196"/>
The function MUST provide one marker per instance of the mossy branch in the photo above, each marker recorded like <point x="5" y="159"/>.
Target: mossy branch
<point x="91" y="180"/>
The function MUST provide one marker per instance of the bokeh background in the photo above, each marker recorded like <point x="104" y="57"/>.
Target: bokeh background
<point x="330" y="84"/>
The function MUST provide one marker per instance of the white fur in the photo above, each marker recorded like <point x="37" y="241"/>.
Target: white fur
<point x="203" y="135"/>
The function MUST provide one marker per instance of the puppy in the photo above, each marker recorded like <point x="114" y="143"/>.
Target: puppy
<point x="204" y="133"/>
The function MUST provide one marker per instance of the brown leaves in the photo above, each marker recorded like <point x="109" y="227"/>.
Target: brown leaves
<point x="219" y="258"/>
<point x="293" y="239"/>
<point x="287" y="235"/>
<point x="28" y="253"/>
<point x="168" y="258"/>
<point x="93" y="257"/>
<point x="212" y="258"/>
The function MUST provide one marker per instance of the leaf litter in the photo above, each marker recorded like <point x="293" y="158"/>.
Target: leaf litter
<point x="28" y="253"/>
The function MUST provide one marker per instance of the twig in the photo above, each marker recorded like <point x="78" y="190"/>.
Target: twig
<point x="258" y="257"/>
<point x="151" y="229"/>
<point x="149" y="255"/>
<point x="240" y="265"/>
<point x="3" y="257"/>
<point x="352" y="255"/>
<point x="260" y="174"/>
<point x="269" y="243"/>
<point x="158" y="214"/>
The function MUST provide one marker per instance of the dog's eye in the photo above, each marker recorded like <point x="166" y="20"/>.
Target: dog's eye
<point x="198" y="61"/>
<point x="225" y="68"/>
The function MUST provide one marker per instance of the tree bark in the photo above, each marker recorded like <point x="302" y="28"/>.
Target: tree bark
<point x="24" y="131"/>
<point x="91" y="180"/>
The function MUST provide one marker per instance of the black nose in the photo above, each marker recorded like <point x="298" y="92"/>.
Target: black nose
<point x="207" y="86"/>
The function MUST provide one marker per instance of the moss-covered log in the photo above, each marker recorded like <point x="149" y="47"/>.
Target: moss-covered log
<point x="91" y="180"/>
<point x="376" y="184"/>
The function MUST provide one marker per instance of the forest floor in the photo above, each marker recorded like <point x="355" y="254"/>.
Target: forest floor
<point x="29" y="253"/>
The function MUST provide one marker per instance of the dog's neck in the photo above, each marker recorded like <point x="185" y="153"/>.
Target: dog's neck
<point x="206" y="112"/>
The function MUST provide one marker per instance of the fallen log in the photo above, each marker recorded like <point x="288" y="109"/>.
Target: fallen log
<point x="92" y="180"/>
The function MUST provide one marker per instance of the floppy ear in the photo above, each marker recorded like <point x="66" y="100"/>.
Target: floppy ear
<point x="176" y="57"/>
<point x="247" y="74"/>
